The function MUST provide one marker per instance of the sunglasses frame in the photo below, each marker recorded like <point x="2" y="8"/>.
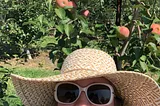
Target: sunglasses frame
<point x="85" y="90"/>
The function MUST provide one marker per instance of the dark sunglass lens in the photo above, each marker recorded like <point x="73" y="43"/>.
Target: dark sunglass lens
<point x="99" y="94"/>
<point x="67" y="93"/>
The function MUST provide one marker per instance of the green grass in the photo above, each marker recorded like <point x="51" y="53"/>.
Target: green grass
<point x="12" y="98"/>
<point x="34" y="73"/>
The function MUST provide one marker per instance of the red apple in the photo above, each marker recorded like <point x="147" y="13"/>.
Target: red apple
<point x="85" y="13"/>
<point x="123" y="32"/>
<point x="72" y="4"/>
<point x="62" y="3"/>
<point x="155" y="28"/>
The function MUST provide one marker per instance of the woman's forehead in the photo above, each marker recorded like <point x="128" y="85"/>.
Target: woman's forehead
<point x="85" y="82"/>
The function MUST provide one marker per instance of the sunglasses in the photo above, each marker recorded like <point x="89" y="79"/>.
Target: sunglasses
<point x="96" y="93"/>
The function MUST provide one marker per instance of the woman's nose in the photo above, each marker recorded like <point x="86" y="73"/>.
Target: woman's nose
<point x="82" y="100"/>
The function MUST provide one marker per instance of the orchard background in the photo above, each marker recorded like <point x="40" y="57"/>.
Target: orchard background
<point x="25" y="25"/>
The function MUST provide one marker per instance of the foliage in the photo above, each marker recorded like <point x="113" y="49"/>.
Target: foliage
<point x="76" y="31"/>
<point x="22" y="23"/>
<point x="4" y="76"/>
<point x="25" y="22"/>
<point x="140" y="52"/>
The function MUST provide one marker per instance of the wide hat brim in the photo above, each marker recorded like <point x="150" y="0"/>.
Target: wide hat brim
<point x="136" y="89"/>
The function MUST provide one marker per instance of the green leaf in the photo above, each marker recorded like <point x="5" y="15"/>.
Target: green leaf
<point x="144" y="66"/>
<point x="6" y="1"/>
<point x="43" y="30"/>
<point x="99" y="25"/>
<point x="50" y="5"/>
<point x="138" y="6"/>
<point x="60" y="12"/>
<point x="138" y="22"/>
<point x="157" y="38"/>
<point x="79" y="43"/>
<point x="60" y="28"/>
<point x="152" y="47"/>
<point x="65" y="21"/>
<point x="130" y="17"/>
<point x="134" y="63"/>
<point x="29" y="23"/>
<point x="40" y="18"/>
<point x="156" y="20"/>
<point x="68" y="28"/>
<point x="136" y="70"/>
<point x="45" y="21"/>
<point x="84" y="24"/>
<point x="112" y="36"/>
<point x="67" y="51"/>
<point x="157" y="52"/>
<point x="154" y="67"/>
<point x="146" y="20"/>
<point x="87" y="31"/>
<point x="143" y="58"/>
<point x="82" y="18"/>
<point x="51" y="24"/>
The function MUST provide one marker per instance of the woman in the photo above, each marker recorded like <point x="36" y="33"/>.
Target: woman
<point x="88" y="78"/>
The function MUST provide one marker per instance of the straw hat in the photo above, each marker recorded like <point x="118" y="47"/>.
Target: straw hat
<point x="134" y="88"/>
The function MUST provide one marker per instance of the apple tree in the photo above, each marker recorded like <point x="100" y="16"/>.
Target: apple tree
<point x="123" y="28"/>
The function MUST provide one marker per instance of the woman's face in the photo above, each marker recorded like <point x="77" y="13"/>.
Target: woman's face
<point x="82" y="100"/>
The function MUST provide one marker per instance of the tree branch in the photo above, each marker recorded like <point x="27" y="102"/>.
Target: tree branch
<point x="131" y="28"/>
<point x="118" y="14"/>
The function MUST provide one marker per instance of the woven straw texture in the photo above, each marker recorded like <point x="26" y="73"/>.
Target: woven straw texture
<point x="135" y="89"/>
